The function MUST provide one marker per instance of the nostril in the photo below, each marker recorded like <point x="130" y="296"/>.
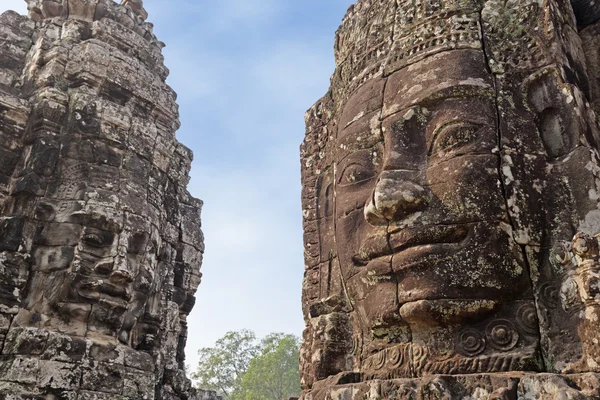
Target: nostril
<point x="104" y="267"/>
<point x="372" y="214"/>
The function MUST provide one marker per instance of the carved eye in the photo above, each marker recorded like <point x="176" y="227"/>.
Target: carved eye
<point x="96" y="238"/>
<point x="453" y="135"/>
<point x="355" y="173"/>
<point x="93" y="240"/>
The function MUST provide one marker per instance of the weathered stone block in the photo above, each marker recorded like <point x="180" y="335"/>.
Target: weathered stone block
<point x="20" y="369"/>
<point x="59" y="375"/>
<point x="64" y="348"/>
<point x="103" y="377"/>
<point x="25" y="341"/>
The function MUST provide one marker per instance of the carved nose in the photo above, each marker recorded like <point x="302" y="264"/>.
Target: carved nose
<point x="394" y="200"/>
<point x="121" y="273"/>
<point x="120" y="277"/>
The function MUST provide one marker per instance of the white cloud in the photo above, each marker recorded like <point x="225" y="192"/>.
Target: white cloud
<point x="195" y="76"/>
<point x="231" y="13"/>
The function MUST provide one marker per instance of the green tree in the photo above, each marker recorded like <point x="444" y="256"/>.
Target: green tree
<point x="221" y="367"/>
<point x="273" y="374"/>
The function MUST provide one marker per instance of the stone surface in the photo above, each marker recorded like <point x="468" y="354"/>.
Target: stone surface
<point x="100" y="242"/>
<point x="445" y="175"/>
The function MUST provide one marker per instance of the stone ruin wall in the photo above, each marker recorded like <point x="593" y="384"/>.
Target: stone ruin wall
<point x="100" y="242"/>
<point x="518" y="81"/>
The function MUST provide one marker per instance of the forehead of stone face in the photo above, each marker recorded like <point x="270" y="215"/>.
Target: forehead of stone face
<point x="455" y="73"/>
<point x="93" y="213"/>
<point x="359" y="125"/>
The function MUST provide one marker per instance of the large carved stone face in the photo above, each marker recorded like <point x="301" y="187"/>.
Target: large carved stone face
<point x="441" y="188"/>
<point x="421" y="226"/>
<point x="445" y="174"/>
<point x="421" y="203"/>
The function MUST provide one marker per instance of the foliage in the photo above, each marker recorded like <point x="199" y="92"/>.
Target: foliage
<point x="273" y="374"/>
<point x="239" y="369"/>
<point x="221" y="367"/>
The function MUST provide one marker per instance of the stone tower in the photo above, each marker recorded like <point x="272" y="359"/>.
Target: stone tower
<point x="100" y="242"/>
<point x="445" y="175"/>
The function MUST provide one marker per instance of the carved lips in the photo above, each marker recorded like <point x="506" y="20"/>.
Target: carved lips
<point x="412" y="242"/>
<point x="102" y="290"/>
<point x="467" y="261"/>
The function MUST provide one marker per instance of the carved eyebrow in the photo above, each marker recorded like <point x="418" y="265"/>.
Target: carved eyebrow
<point x="447" y="125"/>
<point x="352" y="152"/>
<point x="459" y="91"/>
<point x="456" y="92"/>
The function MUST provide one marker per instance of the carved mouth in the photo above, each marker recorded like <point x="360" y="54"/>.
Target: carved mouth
<point x="428" y="238"/>
<point x="101" y="290"/>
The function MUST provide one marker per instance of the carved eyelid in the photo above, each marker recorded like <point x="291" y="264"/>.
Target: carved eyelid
<point x="355" y="164"/>
<point x="97" y="238"/>
<point x="448" y="126"/>
<point x="93" y="239"/>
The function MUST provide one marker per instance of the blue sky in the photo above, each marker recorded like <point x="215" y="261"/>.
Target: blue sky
<point x="245" y="72"/>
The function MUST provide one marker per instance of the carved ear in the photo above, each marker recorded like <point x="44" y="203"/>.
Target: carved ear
<point x="559" y="128"/>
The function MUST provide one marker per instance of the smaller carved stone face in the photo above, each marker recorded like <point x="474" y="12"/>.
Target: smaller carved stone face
<point x="108" y="263"/>
<point x="95" y="258"/>
<point x="114" y="271"/>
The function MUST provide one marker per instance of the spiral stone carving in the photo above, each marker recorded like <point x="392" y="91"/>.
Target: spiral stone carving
<point x="561" y="254"/>
<point x="368" y="364"/>
<point x="396" y="357"/>
<point x="471" y="342"/>
<point x="527" y="319"/>
<point x="379" y="360"/>
<point x="420" y="356"/>
<point x="549" y="295"/>
<point x="569" y="296"/>
<point x="502" y="335"/>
